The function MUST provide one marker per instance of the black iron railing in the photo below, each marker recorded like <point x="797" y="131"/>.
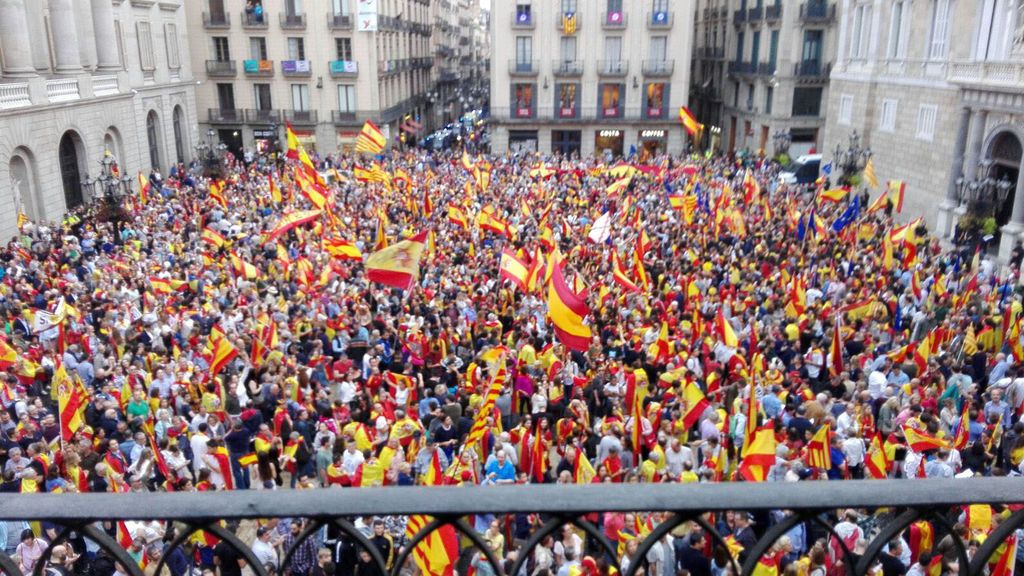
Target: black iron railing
<point x="893" y="506"/>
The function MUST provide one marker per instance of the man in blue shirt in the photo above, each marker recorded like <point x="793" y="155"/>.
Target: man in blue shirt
<point x="500" y="470"/>
<point x="771" y="403"/>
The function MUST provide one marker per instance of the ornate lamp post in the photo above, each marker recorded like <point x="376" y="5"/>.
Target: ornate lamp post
<point x="211" y="154"/>
<point x="982" y="196"/>
<point x="781" y="139"/>
<point x="109" y="190"/>
<point x="851" y="160"/>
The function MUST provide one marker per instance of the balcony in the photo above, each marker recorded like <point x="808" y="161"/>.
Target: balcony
<point x="221" y="68"/>
<point x="343" y="68"/>
<point x="262" y="116"/>
<point x="809" y="505"/>
<point x="212" y="21"/>
<point x="711" y="52"/>
<point x="742" y="68"/>
<point x="773" y="13"/>
<point x="339" y="118"/>
<point x="293" y="21"/>
<point x="739" y="17"/>
<point x="812" y="71"/>
<point x="251" y="22"/>
<point x="659" y="20"/>
<point x="562" y="68"/>
<point x="258" y="68"/>
<point x="296" y="68"/>
<point x="339" y="21"/>
<point x="523" y="68"/>
<point x="560" y="24"/>
<point x="658" y="67"/>
<point x="999" y="75"/>
<point x="817" y="12"/>
<point x="224" y="116"/>
<point x="755" y="14"/>
<point x="612" y="68"/>
<point x="765" y="68"/>
<point x="613" y="20"/>
<point x="523" y="21"/>
<point x="301" y="117"/>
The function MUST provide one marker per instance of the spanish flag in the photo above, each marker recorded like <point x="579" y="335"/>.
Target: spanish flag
<point x="921" y="441"/>
<point x="275" y="191"/>
<point x="371" y="139"/>
<point x="8" y="356"/>
<point x="397" y="265"/>
<point x="513" y="269"/>
<point x="217" y="192"/>
<point x="877" y="462"/>
<point x="289" y="221"/>
<point x="212" y="237"/>
<point x="458" y="217"/>
<point x="160" y="286"/>
<point x="567" y="311"/>
<point x="223" y="353"/>
<point x="725" y="331"/>
<point x="689" y="121"/>
<point x="341" y="249"/>
<point x="695" y="403"/>
<point x="897" y="188"/>
<point x="242" y="268"/>
<point x="249" y="459"/>
<point x="143" y="188"/>
<point x="72" y="399"/>
<point x="833" y="195"/>
<point x="759" y="455"/>
<point x="619" y="274"/>
<point x="293" y="142"/>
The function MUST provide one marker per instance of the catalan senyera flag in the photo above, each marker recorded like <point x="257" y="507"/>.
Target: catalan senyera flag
<point x="342" y="249"/>
<point x="869" y="173"/>
<point x="696" y="403"/>
<point x="758" y="455"/>
<point x="289" y="221"/>
<point x="397" y="265"/>
<point x="437" y="553"/>
<point x="1004" y="557"/>
<point x="567" y="311"/>
<point x="143" y="188"/>
<point x="213" y="238"/>
<point x="819" y="454"/>
<point x="223" y="353"/>
<point x="689" y="121"/>
<point x="72" y="399"/>
<point x="876" y="461"/>
<point x="920" y="441"/>
<point x="371" y="139"/>
<point x="513" y="269"/>
<point x="896" y="190"/>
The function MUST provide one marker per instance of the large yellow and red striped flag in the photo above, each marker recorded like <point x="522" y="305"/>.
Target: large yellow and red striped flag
<point x="371" y="139"/>
<point x="293" y="142"/>
<point x="8" y="356"/>
<point x="223" y="353"/>
<point x="758" y="455"/>
<point x="217" y="193"/>
<point x="689" y="121"/>
<point x="143" y="188"/>
<point x="458" y="217"/>
<point x="342" y="249"/>
<point x="619" y="274"/>
<point x="877" y="462"/>
<point x="513" y="269"/>
<point x="920" y="441"/>
<point x="289" y="221"/>
<point x="567" y="311"/>
<point x="397" y="265"/>
<point x="437" y="553"/>
<point x="819" y="453"/>
<point x="72" y="399"/>
<point x="212" y="237"/>
<point x="696" y="403"/>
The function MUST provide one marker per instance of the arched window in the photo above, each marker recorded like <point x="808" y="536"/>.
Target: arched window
<point x="152" y="134"/>
<point x="70" y="169"/>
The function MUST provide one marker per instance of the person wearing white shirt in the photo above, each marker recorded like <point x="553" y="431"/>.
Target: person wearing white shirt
<point x="199" y="448"/>
<point x="676" y="458"/>
<point x="262" y="547"/>
<point x="854" y="450"/>
<point x="351" y="459"/>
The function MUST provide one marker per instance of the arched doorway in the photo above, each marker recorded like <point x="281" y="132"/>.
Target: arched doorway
<point x="22" y="171"/>
<point x="1005" y="152"/>
<point x="179" y="134"/>
<point x="112" y="143"/>
<point x="153" y="138"/>
<point x="70" y="154"/>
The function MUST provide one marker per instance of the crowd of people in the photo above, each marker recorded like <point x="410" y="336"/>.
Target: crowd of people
<point x="734" y="330"/>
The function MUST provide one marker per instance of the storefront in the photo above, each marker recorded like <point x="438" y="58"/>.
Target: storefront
<point x="307" y="139"/>
<point x="264" y="139"/>
<point x="653" y="142"/>
<point x="347" y="140"/>
<point x="566" y="142"/>
<point x="232" y="139"/>
<point x="522" y="140"/>
<point x="608" y="142"/>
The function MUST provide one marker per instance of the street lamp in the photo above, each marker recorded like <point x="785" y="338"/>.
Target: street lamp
<point x="782" y="139"/>
<point x="211" y="154"/>
<point x="852" y="160"/>
<point x="113" y="188"/>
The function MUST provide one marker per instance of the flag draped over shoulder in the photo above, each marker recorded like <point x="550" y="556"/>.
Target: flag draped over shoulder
<point x="567" y="311"/>
<point x="371" y="139"/>
<point x="397" y="265"/>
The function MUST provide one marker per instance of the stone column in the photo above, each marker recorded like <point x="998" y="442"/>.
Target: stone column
<point x="107" y="57"/>
<point x="974" y="148"/>
<point x="14" y="38"/>
<point x="1015" y="227"/>
<point x="86" y="35"/>
<point x="947" y="217"/>
<point x="65" y="36"/>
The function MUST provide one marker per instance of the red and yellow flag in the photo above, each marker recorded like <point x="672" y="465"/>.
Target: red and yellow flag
<point x="371" y="140"/>
<point x="689" y="121"/>
<point x="72" y="399"/>
<point x="513" y="269"/>
<point x="567" y="311"/>
<point x="758" y="455"/>
<point x="397" y="265"/>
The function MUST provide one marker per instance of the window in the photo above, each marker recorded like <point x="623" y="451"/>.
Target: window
<point x="522" y="97"/>
<point x="341" y="7"/>
<point x="613" y="48"/>
<point x="153" y="139"/>
<point x="895" y="49"/>
<point x="343" y="48"/>
<point x="887" y="123"/>
<point x="614" y="6"/>
<point x="861" y="31"/>
<point x="296" y="49"/>
<point x="261" y="94"/>
<point x="300" y="97"/>
<point x="221" y="52"/>
<point x="654" y="102"/>
<point x="769" y="93"/>
<point x="145" y="46"/>
<point x="293" y="8"/>
<point x="346" y="98"/>
<point x="171" y="41"/>
<point x="658" y="48"/>
<point x="845" y="109"/>
<point x="567" y="98"/>
<point x="806" y="101"/>
<point x="567" y="48"/>
<point x="659" y="6"/>
<point x="523" y="14"/>
<point x="750" y="96"/>
<point x="926" y="121"/>
<point x="524" y="49"/>
<point x="773" y="48"/>
<point x="611" y="99"/>
<point x="755" y="47"/>
<point x="258" y="48"/>
<point x="568" y="6"/>
<point x="120" y="42"/>
<point x="226" y="96"/>
<point x="940" y="29"/>
<point x="739" y="46"/>
<point x="179" y="141"/>
<point x="735" y="94"/>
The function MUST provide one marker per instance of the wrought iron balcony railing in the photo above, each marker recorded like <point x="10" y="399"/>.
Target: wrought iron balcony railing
<point x="778" y="508"/>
